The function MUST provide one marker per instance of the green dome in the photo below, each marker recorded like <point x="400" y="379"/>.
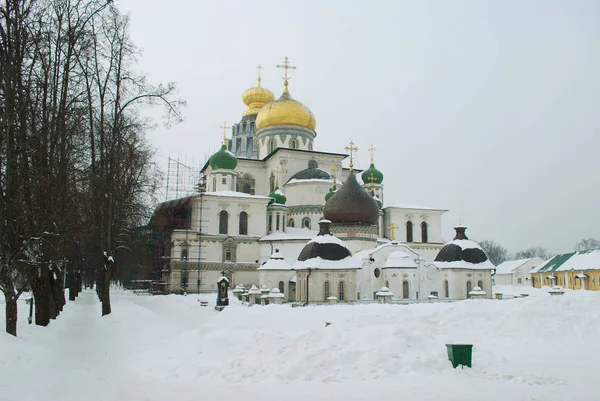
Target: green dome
<point x="330" y="193"/>
<point x="223" y="159"/>
<point x="379" y="202"/>
<point x="278" y="196"/>
<point x="376" y="178"/>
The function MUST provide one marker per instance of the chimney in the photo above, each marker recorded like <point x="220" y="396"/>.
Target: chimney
<point x="324" y="227"/>
<point x="460" y="232"/>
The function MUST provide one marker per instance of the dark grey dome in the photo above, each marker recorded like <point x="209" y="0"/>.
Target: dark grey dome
<point x="313" y="172"/>
<point x="325" y="246"/>
<point x="461" y="249"/>
<point x="352" y="204"/>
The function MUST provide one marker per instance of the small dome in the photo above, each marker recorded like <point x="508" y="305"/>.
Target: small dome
<point x="256" y="98"/>
<point x="313" y="172"/>
<point x="330" y="193"/>
<point x="223" y="159"/>
<point x="461" y="249"/>
<point x="372" y="175"/>
<point x="324" y="246"/>
<point x="285" y="111"/>
<point x="352" y="204"/>
<point x="278" y="196"/>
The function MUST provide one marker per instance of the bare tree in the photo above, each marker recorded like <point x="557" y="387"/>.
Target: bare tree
<point x="587" y="244"/>
<point x="534" y="251"/>
<point x="495" y="252"/>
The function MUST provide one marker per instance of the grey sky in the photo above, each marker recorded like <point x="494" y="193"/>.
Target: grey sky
<point x="488" y="109"/>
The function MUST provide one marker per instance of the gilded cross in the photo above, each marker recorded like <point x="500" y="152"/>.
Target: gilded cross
<point x="372" y="151"/>
<point x="392" y="227"/>
<point x="286" y="66"/>
<point x="335" y="169"/>
<point x="351" y="149"/>
<point x="259" y="67"/>
<point x="277" y="170"/>
<point x="224" y="127"/>
<point x="371" y="178"/>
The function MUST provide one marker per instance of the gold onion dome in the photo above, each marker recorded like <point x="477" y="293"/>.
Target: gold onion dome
<point x="256" y="98"/>
<point x="286" y="111"/>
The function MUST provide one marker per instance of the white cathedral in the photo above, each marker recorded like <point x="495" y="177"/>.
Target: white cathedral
<point x="265" y="194"/>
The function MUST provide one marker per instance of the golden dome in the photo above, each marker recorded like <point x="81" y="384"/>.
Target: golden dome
<point x="286" y="111"/>
<point x="255" y="98"/>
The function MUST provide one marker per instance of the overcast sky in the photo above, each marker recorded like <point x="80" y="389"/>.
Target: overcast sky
<point x="488" y="109"/>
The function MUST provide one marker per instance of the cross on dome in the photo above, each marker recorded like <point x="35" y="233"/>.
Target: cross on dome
<point x="351" y="149"/>
<point x="286" y="66"/>
<point x="392" y="227"/>
<point x="277" y="170"/>
<point x="259" y="67"/>
<point x="335" y="169"/>
<point x="224" y="127"/>
<point x="372" y="151"/>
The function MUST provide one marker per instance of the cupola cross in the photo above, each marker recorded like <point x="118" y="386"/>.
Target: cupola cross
<point x="351" y="149"/>
<point x="392" y="227"/>
<point x="372" y="151"/>
<point x="335" y="169"/>
<point x="224" y="127"/>
<point x="371" y="178"/>
<point x="286" y="66"/>
<point x="259" y="67"/>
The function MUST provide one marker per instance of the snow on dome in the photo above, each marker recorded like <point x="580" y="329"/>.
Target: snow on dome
<point x="275" y="262"/>
<point x="462" y="253"/>
<point x="276" y="255"/>
<point x="223" y="278"/>
<point x="477" y="291"/>
<point x="399" y="259"/>
<point x="254" y="290"/>
<point x="384" y="292"/>
<point x="323" y="250"/>
<point x="325" y="221"/>
<point x="275" y="293"/>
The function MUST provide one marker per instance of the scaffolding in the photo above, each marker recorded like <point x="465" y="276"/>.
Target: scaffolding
<point x="183" y="179"/>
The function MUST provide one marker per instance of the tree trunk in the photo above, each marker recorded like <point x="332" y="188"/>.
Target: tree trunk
<point x="106" y="292"/>
<point x="43" y="299"/>
<point x="11" y="315"/>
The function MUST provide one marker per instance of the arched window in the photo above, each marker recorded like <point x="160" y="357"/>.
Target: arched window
<point x="405" y="290"/>
<point x="223" y="222"/>
<point x="468" y="289"/>
<point x="409" y="231"/>
<point x="446" y="289"/>
<point x="310" y="146"/>
<point x="341" y="291"/>
<point x="293" y="144"/>
<point x="291" y="223"/>
<point x="387" y="284"/>
<point x="480" y="284"/>
<point x="271" y="145"/>
<point x="424" y="232"/>
<point x="281" y="287"/>
<point x="247" y="188"/>
<point x="327" y="290"/>
<point x="243" y="223"/>
<point x="184" y="254"/>
<point x="214" y="188"/>
<point x="277" y="218"/>
<point x="306" y="222"/>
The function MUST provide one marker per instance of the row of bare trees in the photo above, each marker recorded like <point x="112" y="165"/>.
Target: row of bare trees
<point x="76" y="172"/>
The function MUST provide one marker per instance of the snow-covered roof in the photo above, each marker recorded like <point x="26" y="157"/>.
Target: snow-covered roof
<point x="234" y="194"/>
<point x="254" y="291"/>
<point x="384" y="292"/>
<point x="293" y="279"/>
<point x="324" y="264"/>
<point x="314" y="181"/>
<point x="461" y="264"/>
<point x="399" y="259"/>
<point x="276" y="262"/>
<point x="417" y="207"/>
<point x="582" y="260"/>
<point x="275" y="293"/>
<point x="223" y="278"/>
<point x="509" y="266"/>
<point x="291" y="233"/>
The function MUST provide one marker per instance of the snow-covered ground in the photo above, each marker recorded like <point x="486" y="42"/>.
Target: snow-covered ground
<point x="171" y="348"/>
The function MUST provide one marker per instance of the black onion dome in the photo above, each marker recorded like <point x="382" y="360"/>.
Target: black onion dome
<point x="313" y="172"/>
<point x="351" y="204"/>
<point x="324" y="246"/>
<point x="461" y="249"/>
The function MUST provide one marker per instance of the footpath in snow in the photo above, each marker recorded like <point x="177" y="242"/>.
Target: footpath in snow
<point x="169" y="347"/>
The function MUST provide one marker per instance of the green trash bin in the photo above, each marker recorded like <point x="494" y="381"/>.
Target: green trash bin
<point x="460" y="354"/>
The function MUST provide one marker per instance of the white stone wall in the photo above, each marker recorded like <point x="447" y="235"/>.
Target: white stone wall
<point x="316" y="285"/>
<point x="212" y="205"/>
<point x="221" y="180"/>
<point x="457" y="280"/>
<point x="400" y="216"/>
<point x="271" y="279"/>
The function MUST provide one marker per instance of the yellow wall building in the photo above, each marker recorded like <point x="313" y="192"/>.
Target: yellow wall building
<point x="575" y="270"/>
